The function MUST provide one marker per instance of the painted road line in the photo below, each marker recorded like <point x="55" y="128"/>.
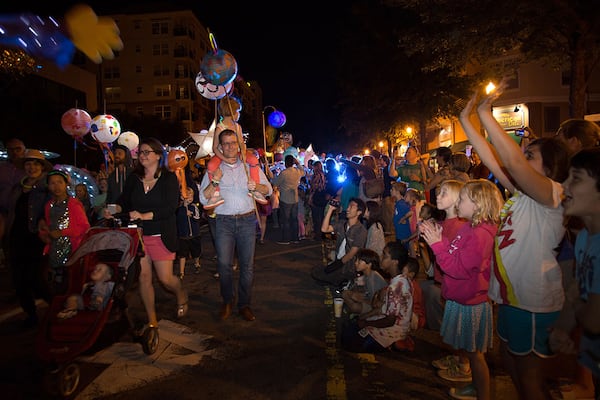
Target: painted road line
<point x="336" y="377"/>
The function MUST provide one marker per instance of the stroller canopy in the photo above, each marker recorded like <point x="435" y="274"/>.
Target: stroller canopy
<point x="98" y="239"/>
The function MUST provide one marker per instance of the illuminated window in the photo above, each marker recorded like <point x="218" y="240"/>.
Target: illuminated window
<point x="162" y="90"/>
<point x="112" y="93"/>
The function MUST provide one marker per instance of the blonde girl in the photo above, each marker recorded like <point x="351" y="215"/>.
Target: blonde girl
<point x="465" y="261"/>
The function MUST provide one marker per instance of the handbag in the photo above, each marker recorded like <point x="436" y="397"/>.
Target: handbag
<point x="373" y="187"/>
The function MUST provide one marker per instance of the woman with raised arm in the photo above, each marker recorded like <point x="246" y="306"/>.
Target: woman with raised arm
<point x="526" y="278"/>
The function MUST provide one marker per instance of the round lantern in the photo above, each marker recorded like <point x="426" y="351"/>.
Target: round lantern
<point x="210" y="91"/>
<point x="219" y="67"/>
<point x="76" y="122"/>
<point x="129" y="140"/>
<point x="105" y="128"/>
<point x="277" y="119"/>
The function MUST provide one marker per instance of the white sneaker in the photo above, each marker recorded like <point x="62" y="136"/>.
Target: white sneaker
<point x="215" y="201"/>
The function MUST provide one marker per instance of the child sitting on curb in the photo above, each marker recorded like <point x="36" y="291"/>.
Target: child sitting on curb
<point x="368" y="282"/>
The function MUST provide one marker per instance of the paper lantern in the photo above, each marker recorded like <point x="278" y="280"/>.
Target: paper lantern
<point x="277" y="119"/>
<point x="105" y="128"/>
<point x="76" y="122"/>
<point x="210" y="91"/>
<point x="219" y="67"/>
<point x="129" y="140"/>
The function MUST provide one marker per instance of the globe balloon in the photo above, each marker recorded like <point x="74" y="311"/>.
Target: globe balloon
<point x="219" y="67"/>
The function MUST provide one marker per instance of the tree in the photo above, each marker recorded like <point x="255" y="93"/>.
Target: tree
<point x="559" y="33"/>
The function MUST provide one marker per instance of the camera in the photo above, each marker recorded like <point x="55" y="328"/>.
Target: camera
<point x="522" y="132"/>
<point x="334" y="203"/>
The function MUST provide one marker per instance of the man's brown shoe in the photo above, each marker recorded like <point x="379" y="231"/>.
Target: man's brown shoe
<point x="225" y="311"/>
<point x="246" y="313"/>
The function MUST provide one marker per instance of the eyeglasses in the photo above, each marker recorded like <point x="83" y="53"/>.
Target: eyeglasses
<point x="146" y="152"/>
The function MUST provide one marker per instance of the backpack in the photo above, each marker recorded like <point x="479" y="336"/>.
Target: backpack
<point x="374" y="187"/>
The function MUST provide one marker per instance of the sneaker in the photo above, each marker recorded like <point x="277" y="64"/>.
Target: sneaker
<point x="258" y="197"/>
<point x="215" y="201"/>
<point x="467" y="393"/>
<point x="445" y="362"/>
<point x="455" y="374"/>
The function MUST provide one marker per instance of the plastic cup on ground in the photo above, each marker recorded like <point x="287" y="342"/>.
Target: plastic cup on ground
<point x="338" y="303"/>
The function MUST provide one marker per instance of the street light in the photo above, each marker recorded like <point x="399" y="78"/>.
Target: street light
<point x="276" y="120"/>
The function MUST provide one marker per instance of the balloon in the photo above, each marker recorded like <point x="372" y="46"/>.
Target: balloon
<point x="80" y="175"/>
<point x="76" y="122"/>
<point x="277" y="119"/>
<point x="176" y="161"/>
<point x="291" y="150"/>
<point x="210" y="91"/>
<point x="105" y="128"/>
<point x="129" y="140"/>
<point x="219" y="67"/>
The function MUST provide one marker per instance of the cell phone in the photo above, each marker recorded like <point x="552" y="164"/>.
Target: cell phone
<point x="334" y="203"/>
<point x="111" y="208"/>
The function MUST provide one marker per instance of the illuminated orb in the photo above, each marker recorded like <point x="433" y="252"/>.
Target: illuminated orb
<point x="105" y="128"/>
<point x="277" y="119"/>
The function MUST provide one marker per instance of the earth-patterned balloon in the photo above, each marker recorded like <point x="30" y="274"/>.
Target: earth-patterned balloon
<point x="210" y="91"/>
<point x="105" y="128"/>
<point x="219" y="67"/>
<point x="76" y="122"/>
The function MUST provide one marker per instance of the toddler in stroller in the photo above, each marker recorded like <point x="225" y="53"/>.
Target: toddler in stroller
<point x="101" y="288"/>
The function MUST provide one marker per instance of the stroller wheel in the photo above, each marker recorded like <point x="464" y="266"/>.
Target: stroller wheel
<point x="150" y="340"/>
<point x="68" y="379"/>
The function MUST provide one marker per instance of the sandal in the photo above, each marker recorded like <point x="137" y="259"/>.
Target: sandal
<point x="182" y="310"/>
<point x="139" y="330"/>
<point x="66" y="313"/>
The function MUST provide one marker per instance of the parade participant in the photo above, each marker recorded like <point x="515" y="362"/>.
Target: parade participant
<point x="235" y="225"/>
<point x="150" y="197"/>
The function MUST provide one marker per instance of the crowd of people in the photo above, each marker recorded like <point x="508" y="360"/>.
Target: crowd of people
<point x="485" y="231"/>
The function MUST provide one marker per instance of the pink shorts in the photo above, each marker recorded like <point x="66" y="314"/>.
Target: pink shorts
<point x="156" y="250"/>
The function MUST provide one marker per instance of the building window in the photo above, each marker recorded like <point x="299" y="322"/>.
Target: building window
<point x="139" y="110"/>
<point x="138" y="48"/>
<point x="160" y="28"/>
<point x="112" y="73"/>
<point x="161" y="70"/>
<point x="138" y="69"/>
<point x="137" y="24"/>
<point x="164" y="112"/>
<point x="182" y="92"/>
<point x="112" y="93"/>
<point x="162" y="90"/>
<point x="139" y="90"/>
<point x="551" y="119"/>
<point x="160" y="49"/>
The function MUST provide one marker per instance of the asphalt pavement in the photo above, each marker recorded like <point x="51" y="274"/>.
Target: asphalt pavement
<point x="291" y="351"/>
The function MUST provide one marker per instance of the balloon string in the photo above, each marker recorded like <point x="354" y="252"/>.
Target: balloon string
<point x="213" y="41"/>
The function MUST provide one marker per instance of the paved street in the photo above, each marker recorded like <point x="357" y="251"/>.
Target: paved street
<point x="290" y="352"/>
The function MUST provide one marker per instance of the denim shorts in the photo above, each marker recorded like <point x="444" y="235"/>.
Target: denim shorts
<point x="525" y="331"/>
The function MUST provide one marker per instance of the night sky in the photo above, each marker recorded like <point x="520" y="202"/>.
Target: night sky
<point x="289" y="53"/>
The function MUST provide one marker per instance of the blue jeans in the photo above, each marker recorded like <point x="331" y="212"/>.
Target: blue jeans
<point x="235" y="234"/>
<point x="288" y="220"/>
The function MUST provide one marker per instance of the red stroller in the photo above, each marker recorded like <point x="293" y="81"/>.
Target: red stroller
<point x="60" y="341"/>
